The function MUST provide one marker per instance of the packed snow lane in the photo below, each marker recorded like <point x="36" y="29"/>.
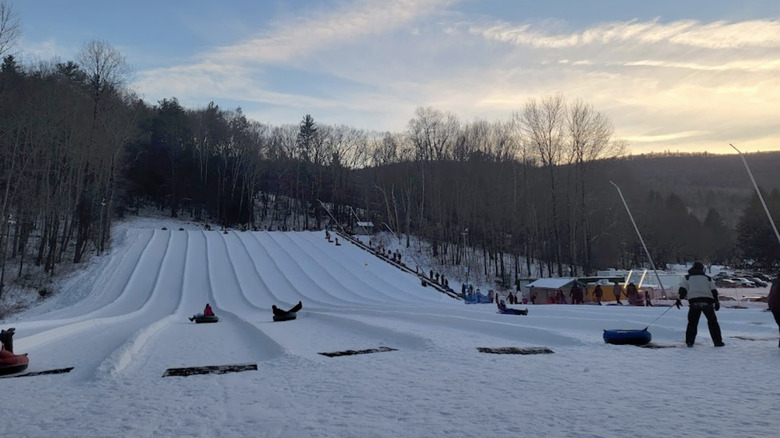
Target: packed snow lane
<point x="93" y="287"/>
<point x="363" y="272"/>
<point x="207" y="276"/>
<point x="87" y="339"/>
<point x="299" y="279"/>
<point x="336" y="283"/>
<point x="238" y="292"/>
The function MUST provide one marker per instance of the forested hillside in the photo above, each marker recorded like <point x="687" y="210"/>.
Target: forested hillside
<point x="531" y="194"/>
<point x="707" y="181"/>
<point x="686" y="207"/>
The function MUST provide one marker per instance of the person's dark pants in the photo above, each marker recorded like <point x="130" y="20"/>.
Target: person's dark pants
<point x="694" y="313"/>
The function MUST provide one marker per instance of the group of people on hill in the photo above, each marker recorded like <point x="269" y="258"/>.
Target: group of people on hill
<point x="439" y="279"/>
<point x="635" y="297"/>
<point x="394" y="256"/>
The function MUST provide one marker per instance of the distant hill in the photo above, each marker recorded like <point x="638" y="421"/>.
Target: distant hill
<point x="705" y="181"/>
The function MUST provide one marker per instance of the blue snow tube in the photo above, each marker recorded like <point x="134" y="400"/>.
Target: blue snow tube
<point x="627" y="337"/>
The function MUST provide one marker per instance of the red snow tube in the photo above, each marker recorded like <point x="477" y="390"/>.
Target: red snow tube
<point x="12" y="363"/>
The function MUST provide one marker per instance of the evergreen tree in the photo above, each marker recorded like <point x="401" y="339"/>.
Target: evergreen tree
<point x="755" y="237"/>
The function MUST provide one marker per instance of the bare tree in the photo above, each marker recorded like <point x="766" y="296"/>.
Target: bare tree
<point x="590" y="138"/>
<point x="433" y="133"/>
<point x="10" y="27"/>
<point x="105" y="66"/>
<point x="543" y="126"/>
<point x="385" y="150"/>
<point x="106" y="73"/>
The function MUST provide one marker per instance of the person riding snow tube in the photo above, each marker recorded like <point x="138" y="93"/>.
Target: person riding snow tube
<point x="286" y="315"/>
<point x="207" y="316"/>
<point x="502" y="308"/>
<point x="9" y="362"/>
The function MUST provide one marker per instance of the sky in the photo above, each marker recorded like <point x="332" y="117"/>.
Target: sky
<point x="122" y="321"/>
<point x="687" y="76"/>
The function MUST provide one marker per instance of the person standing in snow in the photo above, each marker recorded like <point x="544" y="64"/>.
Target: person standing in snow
<point x="576" y="294"/>
<point x="598" y="293"/>
<point x="699" y="289"/>
<point x="773" y="300"/>
<point x="617" y="289"/>
<point x="632" y="293"/>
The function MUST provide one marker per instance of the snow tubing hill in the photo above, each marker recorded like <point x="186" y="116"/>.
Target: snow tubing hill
<point x="627" y="337"/>
<point x="201" y="319"/>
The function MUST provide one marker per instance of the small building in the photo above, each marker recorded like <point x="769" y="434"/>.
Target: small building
<point x="545" y="290"/>
<point x="363" y="228"/>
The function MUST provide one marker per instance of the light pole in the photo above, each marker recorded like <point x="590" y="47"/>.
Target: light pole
<point x="5" y="250"/>
<point x="465" y="235"/>
<point x="100" y="236"/>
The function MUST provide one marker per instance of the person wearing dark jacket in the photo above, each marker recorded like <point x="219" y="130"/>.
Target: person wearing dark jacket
<point x="502" y="308"/>
<point x="598" y="293"/>
<point x="773" y="300"/>
<point x="699" y="289"/>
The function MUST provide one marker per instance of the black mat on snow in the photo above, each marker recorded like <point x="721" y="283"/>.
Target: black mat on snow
<point x="354" y="352"/>
<point x="751" y="338"/>
<point x="515" y="350"/>
<point x="211" y="369"/>
<point x="652" y="345"/>
<point x="41" y="373"/>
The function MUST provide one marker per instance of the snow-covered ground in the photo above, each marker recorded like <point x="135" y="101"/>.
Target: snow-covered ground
<point x="123" y="321"/>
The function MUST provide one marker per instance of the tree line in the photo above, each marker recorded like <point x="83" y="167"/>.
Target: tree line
<point x="531" y="194"/>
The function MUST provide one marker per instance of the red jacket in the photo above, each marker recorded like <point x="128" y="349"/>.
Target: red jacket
<point x="207" y="311"/>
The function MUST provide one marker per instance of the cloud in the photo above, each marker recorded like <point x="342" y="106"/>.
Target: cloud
<point x="309" y="33"/>
<point x="369" y="64"/>
<point x="690" y="33"/>
<point x="676" y="85"/>
<point x="664" y="137"/>
<point x="241" y="70"/>
<point x="747" y="65"/>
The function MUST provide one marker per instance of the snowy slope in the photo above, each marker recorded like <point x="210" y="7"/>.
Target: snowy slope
<point x="123" y="322"/>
